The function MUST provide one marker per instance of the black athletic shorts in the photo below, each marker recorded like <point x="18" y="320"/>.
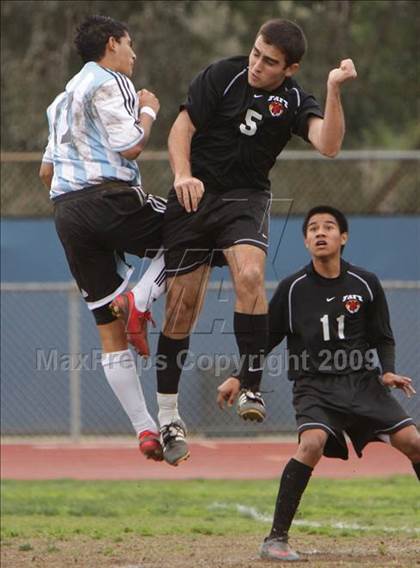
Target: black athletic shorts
<point x="240" y="216"/>
<point x="357" y="404"/>
<point x="96" y="225"/>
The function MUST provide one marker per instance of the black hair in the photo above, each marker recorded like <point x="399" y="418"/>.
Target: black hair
<point x="286" y="36"/>
<point x="336" y="213"/>
<point x="93" y="34"/>
<point x="338" y="216"/>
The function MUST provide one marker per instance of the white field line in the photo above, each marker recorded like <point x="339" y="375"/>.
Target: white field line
<point x="252" y="513"/>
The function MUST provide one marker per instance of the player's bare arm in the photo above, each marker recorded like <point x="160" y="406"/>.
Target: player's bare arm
<point x="46" y="172"/>
<point x="399" y="382"/>
<point x="148" y="110"/>
<point x="189" y="189"/>
<point x="326" y="134"/>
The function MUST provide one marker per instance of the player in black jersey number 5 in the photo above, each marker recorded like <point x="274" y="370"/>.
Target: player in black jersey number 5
<point x="239" y="114"/>
<point x="334" y="316"/>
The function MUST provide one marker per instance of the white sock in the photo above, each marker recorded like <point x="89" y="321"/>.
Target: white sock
<point x="120" y="370"/>
<point x="152" y="284"/>
<point x="168" y="408"/>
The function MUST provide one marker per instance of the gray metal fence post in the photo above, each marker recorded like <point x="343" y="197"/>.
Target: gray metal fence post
<point x="75" y="371"/>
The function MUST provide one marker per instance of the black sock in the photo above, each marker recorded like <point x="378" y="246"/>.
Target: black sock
<point x="292" y="485"/>
<point x="251" y="332"/>
<point x="416" y="467"/>
<point x="169" y="363"/>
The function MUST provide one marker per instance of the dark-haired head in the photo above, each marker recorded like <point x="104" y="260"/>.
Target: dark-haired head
<point x="93" y="34"/>
<point x="339" y="217"/>
<point x="287" y="37"/>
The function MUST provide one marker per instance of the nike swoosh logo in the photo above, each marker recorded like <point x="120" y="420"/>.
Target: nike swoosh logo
<point x="330" y="299"/>
<point x="258" y="96"/>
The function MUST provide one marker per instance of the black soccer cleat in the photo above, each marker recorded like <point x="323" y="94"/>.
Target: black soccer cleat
<point x="251" y="406"/>
<point x="175" y="448"/>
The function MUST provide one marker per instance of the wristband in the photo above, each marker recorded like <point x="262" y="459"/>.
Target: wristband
<point x="148" y="110"/>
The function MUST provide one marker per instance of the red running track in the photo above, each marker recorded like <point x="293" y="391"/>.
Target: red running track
<point x="218" y="459"/>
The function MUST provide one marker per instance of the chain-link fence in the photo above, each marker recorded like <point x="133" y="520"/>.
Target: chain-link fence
<point x="53" y="383"/>
<point x="356" y="181"/>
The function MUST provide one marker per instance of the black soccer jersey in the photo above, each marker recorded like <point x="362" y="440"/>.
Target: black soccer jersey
<point x="333" y="325"/>
<point x="241" y="130"/>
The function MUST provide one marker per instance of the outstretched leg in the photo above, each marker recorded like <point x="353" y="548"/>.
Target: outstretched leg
<point x="250" y="323"/>
<point x="120" y="370"/>
<point x="183" y="304"/>
<point x="293" y="483"/>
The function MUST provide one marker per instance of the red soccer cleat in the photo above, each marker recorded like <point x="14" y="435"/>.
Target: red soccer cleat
<point x="124" y="308"/>
<point x="149" y="445"/>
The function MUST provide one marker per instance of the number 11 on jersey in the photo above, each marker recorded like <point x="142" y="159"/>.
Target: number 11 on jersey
<point x="326" y="327"/>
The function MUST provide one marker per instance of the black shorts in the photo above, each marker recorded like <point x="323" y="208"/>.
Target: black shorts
<point x="96" y="225"/>
<point x="357" y="404"/>
<point x="240" y="216"/>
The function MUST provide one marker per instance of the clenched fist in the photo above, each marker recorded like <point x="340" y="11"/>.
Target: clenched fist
<point x="346" y="71"/>
<point x="147" y="98"/>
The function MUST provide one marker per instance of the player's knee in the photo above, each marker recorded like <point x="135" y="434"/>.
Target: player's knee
<point x="312" y="446"/>
<point x="180" y="313"/>
<point x="181" y="301"/>
<point x="408" y="442"/>
<point x="250" y="280"/>
<point x="411" y="448"/>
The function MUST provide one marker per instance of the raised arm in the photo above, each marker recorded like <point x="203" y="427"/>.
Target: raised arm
<point x="189" y="189"/>
<point x="148" y="110"/>
<point x="326" y="134"/>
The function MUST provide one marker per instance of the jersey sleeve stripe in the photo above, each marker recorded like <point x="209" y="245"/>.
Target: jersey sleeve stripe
<point x="131" y="96"/>
<point x="364" y="282"/>
<point x="297" y="96"/>
<point x="234" y="79"/>
<point x="290" y="300"/>
<point x="123" y="92"/>
<point x="124" y="88"/>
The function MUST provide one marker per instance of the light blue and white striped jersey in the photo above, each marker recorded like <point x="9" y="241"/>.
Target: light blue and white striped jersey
<point x="93" y="120"/>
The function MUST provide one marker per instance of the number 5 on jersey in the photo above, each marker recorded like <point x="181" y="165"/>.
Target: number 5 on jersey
<point x="252" y="118"/>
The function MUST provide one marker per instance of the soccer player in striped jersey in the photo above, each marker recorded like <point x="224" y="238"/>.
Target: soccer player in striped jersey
<point x="335" y="317"/>
<point x="97" y="128"/>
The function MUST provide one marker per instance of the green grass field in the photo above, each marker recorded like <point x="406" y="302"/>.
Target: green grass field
<point x="103" y="509"/>
<point x="205" y="524"/>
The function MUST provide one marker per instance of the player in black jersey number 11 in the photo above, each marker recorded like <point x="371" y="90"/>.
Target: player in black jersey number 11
<point x="335" y="314"/>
